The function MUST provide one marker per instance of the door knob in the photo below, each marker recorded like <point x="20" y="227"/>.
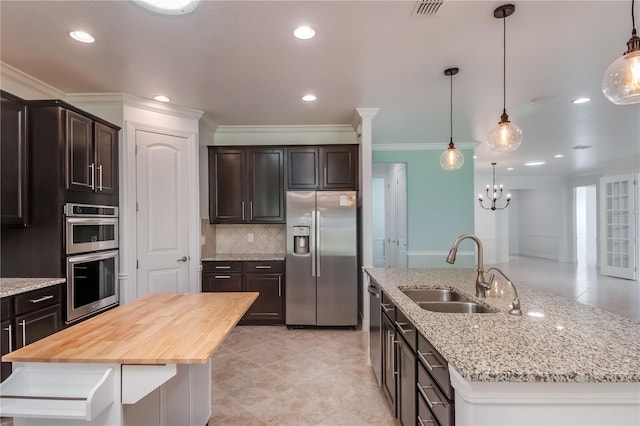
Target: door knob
<point x="182" y="259"/>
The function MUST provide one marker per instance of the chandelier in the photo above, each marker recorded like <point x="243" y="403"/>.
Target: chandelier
<point x="497" y="194"/>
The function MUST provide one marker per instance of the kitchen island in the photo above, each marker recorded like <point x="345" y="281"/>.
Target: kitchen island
<point x="561" y="362"/>
<point x="146" y="362"/>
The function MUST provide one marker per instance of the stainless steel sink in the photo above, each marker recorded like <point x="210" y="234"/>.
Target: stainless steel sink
<point x="435" y="295"/>
<point x="456" y="307"/>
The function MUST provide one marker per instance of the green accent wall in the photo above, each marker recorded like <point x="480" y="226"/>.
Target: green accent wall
<point x="440" y="203"/>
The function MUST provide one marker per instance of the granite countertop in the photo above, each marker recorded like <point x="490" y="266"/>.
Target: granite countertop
<point x="244" y="256"/>
<point x="566" y="341"/>
<point x="12" y="286"/>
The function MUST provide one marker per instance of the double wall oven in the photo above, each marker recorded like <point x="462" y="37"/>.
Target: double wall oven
<point x="91" y="246"/>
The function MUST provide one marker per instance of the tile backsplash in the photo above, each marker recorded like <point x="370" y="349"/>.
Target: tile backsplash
<point x="235" y="238"/>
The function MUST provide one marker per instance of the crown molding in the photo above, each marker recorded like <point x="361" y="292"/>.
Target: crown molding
<point x="136" y="102"/>
<point x="320" y="134"/>
<point x="439" y="146"/>
<point x="26" y="86"/>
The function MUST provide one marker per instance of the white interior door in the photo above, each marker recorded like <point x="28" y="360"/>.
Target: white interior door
<point x="391" y="243"/>
<point x="162" y="213"/>
<point x="618" y="226"/>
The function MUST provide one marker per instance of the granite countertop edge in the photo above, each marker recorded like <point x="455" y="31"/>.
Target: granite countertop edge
<point x="570" y="344"/>
<point x="243" y="257"/>
<point x="14" y="286"/>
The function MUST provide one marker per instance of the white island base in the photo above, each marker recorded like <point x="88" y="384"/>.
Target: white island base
<point x="545" y="403"/>
<point x="57" y="394"/>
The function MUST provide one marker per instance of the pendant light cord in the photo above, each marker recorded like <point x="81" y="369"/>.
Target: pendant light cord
<point x="504" y="63"/>
<point x="633" y="19"/>
<point x="451" y="109"/>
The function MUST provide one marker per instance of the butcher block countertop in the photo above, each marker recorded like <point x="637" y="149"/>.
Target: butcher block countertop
<point x="156" y="329"/>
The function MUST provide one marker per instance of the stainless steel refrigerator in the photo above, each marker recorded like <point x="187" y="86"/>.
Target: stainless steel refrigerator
<point x="321" y="264"/>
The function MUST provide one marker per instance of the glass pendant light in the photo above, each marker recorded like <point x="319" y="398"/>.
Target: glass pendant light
<point x="507" y="136"/>
<point x="451" y="158"/>
<point x="621" y="81"/>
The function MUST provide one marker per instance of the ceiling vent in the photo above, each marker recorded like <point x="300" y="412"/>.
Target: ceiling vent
<point x="427" y="7"/>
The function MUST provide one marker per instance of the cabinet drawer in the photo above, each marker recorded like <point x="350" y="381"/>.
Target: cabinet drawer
<point x="388" y="307"/>
<point x="263" y="267"/>
<point x="231" y="267"/>
<point x="37" y="299"/>
<point x="432" y="361"/>
<point x="221" y="282"/>
<point x="439" y="405"/>
<point x="406" y="329"/>
<point x="425" y="416"/>
<point x="5" y="308"/>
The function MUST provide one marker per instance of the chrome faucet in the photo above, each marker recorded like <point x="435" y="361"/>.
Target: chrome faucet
<point x="515" y="305"/>
<point x="481" y="285"/>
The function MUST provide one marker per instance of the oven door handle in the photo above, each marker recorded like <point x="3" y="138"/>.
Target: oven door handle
<point x="93" y="221"/>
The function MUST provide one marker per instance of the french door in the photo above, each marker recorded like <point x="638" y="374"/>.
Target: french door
<point x="618" y="220"/>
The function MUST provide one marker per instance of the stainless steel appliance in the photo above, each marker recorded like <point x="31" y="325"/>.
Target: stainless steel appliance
<point x="90" y="228"/>
<point x="92" y="283"/>
<point x="321" y="262"/>
<point x="91" y="245"/>
<point x="375" y="333"/>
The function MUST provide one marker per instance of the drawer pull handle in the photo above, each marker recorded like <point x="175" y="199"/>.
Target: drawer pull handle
<point x="23" y="324"/>
<point x="423" y="422"/>
<point x="426" y="398"/>
<point x="279" y="286"/>
<point x="386" y="307"/>
<point x="429" y="366"/>
<point x="223" y="267"/>
<point x="42" y="299"/>
<point x="222" y="277"/>
<point x="263" y="267"/>
<point x="10" y="339"/>
<point x="399" y="326"/>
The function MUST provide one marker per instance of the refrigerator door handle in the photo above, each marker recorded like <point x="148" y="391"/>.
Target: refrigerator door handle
<point x="318" y="248"/>
<point x="312" y="244"/>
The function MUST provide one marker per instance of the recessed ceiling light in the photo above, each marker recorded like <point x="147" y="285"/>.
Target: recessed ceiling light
<point x="82" y="36"/>
<point x="535" y="163"/>
<point x="309" y="98"/>
<point x="162" y="98"/>
<point x="169" y="7"/>
<point x="304" y="32"/>
<point x="558" y="156"/>
<point x="581" y="100"/>
<point x="475" y="157"/>
<point x="509" y="168"/>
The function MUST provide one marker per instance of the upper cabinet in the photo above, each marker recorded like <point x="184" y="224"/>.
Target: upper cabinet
<point x="13" y="119"/>
<point x="246" y="185"/>
<point x="92" y="150"/>
<point x="330" y="167"/>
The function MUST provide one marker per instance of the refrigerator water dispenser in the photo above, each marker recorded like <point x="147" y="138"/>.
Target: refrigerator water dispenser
<point x="301" y="239"/>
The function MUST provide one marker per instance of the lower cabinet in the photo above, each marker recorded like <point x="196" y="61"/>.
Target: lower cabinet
<point x="265" y="277"/>
<point x="28" y="317"/>
<point x="415" y="377"/>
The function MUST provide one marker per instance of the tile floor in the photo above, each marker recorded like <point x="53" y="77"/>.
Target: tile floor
<point x="275" y="376"/>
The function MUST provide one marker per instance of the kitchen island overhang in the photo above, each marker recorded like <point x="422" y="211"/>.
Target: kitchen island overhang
<point x="568" y="364"/>
<point x="148" y="360"/>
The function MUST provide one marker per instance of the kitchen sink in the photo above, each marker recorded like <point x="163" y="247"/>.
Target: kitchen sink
<point x="456" y="307"/>
<point x="435" y="295"/>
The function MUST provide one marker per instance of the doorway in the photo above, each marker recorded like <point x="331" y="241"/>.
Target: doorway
<point x="586" y="226"/>
<point x="389" y="202"/>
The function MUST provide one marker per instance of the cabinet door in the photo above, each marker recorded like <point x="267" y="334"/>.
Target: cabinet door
<point x="226" y="185"/>
<point x="80" y="155"/>
<point x="389" y="361"/>
<point x="269" y="306"/>
<point x="302" y="168"/>
<point x="339" y="167"/>
<point x="406" y="384"/>
<point x="216" y="282"/>
<point x="36" y="325"/>
<point x="6" y="345"/>
<point x="14" y="161"/>
<point x="106" y="149"/>
<point x="266" y="185"/>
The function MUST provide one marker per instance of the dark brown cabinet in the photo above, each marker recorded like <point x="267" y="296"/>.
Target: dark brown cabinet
<point x="265" y="277"/>
<point x="14" y="179"/>
<point x="330" y="167"/>
<point x="92" y="150"/>
<point x="246" y="185"/>
<point x="389" y="363"/>
<point x="28" y="317"/>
